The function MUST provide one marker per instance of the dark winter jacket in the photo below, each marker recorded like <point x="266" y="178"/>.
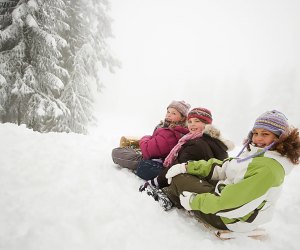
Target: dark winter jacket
<point x="202" y="148"/>
<point x="161" y="142"/>
<point x="209" y="145"/>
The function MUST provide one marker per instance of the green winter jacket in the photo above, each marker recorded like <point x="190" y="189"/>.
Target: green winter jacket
<point x="246" y="191"/>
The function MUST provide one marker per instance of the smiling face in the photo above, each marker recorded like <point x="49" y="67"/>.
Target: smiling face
<point x="262" y="137"/>
<point x="173" y="115"/>
<point x="195" y="125"/>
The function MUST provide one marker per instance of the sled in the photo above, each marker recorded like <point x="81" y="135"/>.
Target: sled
<point x="129" y="141"/>
<point x="256" y="234"/>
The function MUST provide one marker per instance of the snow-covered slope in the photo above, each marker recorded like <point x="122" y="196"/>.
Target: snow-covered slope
<point x="62" y="191"/>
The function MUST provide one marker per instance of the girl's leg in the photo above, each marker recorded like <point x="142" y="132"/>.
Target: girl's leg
<point x="161" y="179"/>
<point x="191" y="183"/>
<point x="148" y="169"/>
<point x="186" y="182"/>
<point x="126" y="157"/>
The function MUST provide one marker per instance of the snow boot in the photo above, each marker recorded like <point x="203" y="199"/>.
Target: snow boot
<point x="163" y="200"/>
<point x="158" y="195"/>
<point x="151" y="191"/>
<point x="129" y="141"/>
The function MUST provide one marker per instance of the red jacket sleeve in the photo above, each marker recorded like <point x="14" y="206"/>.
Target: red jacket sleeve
<point x="161" y="142"/>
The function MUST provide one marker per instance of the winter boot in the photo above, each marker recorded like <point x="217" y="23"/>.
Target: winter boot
<point x="131" y="142"/>
<point x="151" y="191"/>
<point x="143" y="187"/>
<point x="163" y="200"/>
<point x="158" y="195"/>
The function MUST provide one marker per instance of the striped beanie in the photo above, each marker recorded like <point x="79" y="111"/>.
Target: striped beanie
<point x="181" y="106"/>
<point x="273" y="121"/>
<point x="202" y="114"/>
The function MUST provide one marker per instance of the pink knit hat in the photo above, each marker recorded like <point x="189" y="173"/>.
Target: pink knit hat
<point x="181" y="106"/>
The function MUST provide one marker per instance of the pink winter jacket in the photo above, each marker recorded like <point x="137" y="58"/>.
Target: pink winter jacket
<point x="161" y="142"/>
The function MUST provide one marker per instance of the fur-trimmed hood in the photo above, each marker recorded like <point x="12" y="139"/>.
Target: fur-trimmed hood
<point x="213" y="132"/>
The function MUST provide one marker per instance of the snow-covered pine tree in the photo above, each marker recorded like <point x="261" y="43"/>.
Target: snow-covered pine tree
<point x="3" y="97"/>
<point x="6" y="7"/>
<point x="88" y="56"/>
<point x="10" y="55"/>
<point x="30" y="65"/>
<point x="52" y="54"/>
<point x="46" y="24"/>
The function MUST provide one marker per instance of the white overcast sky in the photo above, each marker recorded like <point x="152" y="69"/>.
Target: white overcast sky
<point x="238" y="58"/>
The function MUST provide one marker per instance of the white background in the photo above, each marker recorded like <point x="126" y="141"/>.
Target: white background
<point x="237" y="58"/>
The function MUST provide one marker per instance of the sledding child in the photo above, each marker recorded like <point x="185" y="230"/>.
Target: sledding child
<point x="201" y="143"/>
<point x="248" y="185"/>
<point x="159" y="144"/>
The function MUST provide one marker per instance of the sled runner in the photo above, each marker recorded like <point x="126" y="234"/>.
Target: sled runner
<point x="257" y="234"/>
<point x="129" y="141"/>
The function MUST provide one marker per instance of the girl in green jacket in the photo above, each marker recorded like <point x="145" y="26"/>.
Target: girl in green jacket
<point x="239" y="193"/>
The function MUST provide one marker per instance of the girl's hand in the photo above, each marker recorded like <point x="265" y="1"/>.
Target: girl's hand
<point x="185" y="199"/>
<point x="175" y="170"/>
<point x="172" y="125"/>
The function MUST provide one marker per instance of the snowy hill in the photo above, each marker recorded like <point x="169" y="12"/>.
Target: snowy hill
<point x="62" y="191"/>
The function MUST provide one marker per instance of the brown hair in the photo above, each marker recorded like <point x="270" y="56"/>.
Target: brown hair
<point x="289" y="145"/>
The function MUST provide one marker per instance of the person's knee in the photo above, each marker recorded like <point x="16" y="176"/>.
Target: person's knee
<point x="122" y="154"/>
<point x="115" y="155"/>
<point x="191" y="183"/>
<point x="147" y="169"/>
<point x="181" y="178"/>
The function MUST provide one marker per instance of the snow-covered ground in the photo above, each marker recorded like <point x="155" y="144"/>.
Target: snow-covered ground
<point x="62" y="191"/>
<point x="237" y="58"/>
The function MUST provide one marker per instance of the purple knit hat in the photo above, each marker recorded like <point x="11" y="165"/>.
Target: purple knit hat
<point x="181" y="106"/>
<point x="273" y="121"/>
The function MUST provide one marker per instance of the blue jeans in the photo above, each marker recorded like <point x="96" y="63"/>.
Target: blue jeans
<point x="149" y="169"/>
